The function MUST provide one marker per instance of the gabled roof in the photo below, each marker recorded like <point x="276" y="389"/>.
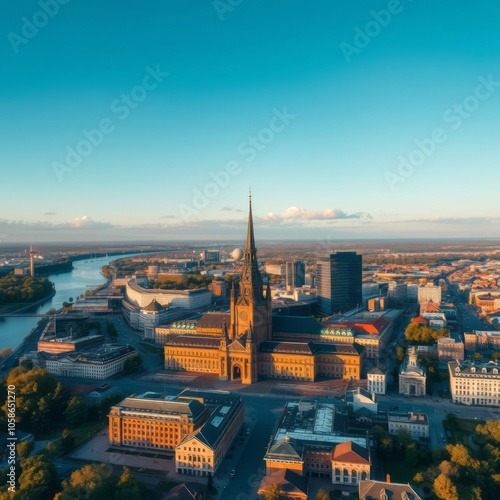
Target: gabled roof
<point x="371" y="490"/>
<point x="213" y="320"/>
<point x="285" y="449"/>
<point x="350" y="452"/>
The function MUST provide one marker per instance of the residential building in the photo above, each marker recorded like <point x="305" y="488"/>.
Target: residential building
<point x="450" y="348"/>
<point x="429" y="293"/>
<point x="482" y="340"/>
<point x="339" y="282"/>
<point x="417" y="425"/>
<point x="377" y="381"/>
<point x="360" y="398"/>
<point x="475" y="383"/>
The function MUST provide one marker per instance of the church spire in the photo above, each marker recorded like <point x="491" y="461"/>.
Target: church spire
<point x="250" y="276"/>
<point x="250" y="244"/>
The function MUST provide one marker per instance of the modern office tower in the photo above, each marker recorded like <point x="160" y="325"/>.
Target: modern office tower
<point x="338" y="281"/>
<point x="295" y="274"/>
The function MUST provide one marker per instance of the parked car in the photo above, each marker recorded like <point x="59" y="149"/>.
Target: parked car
<point x="232" y="474"/>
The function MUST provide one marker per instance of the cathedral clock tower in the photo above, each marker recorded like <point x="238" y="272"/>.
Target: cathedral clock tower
<point x="250" y="308"/>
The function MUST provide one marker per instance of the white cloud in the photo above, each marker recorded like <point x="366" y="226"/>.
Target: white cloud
<point x="301" y="214"/>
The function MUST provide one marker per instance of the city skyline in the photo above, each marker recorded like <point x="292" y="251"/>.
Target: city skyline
<point x="375" y="120"/>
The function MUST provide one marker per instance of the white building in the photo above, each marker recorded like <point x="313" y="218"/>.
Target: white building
<point x="100" y="363"/>
<point x="377" y="381"/>
<point x="187" y="299"/>
<point x="429" y="293"/>
<point x="412" y="376"/>
<point x="475" y="383"/>
<point x="416" y="424"/>
<point x="359" y="398"/>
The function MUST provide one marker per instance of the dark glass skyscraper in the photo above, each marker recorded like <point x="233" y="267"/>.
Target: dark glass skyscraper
<point x="295" y="274"/>
<point x="338" y="282"/>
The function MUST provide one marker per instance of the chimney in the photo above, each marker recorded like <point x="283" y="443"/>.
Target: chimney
<point x="388" y="478"/>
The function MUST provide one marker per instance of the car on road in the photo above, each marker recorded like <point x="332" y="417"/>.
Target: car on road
<point x="248" y="432"/>
<point x="232" y="474"/>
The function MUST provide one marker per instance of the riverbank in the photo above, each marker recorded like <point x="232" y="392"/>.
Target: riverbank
<point x="28" y="307"/>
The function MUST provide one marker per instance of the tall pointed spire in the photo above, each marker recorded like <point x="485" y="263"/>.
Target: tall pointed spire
<point x="251" y="279"/>
<point x="250" y="244"/>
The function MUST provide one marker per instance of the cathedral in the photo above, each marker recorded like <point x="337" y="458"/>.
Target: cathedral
<point x="248" y="344"/>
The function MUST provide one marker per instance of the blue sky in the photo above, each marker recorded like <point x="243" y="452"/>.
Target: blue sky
<point x="314" y="104"/>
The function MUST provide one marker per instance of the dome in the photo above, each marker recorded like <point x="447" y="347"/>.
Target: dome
<point x="237" y="254"/>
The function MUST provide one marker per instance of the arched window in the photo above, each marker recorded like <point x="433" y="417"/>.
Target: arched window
<point x="346" y="476"/>
<point x="354" y="476"/>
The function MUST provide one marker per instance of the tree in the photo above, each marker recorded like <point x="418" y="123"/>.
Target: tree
<point x="495" y="356"/>
<point x="321" y="494"/>
<point x="272" y="491"/>
<point x="39" y="397"/>
<point x="128" y="488"/>
<point x="24" y="448"/>
<point x="490" y="430"/>
<point x="85" y="482"/>
<point x="445" y="489"/>
<point x="133" y="363"/>
<point x="76" y="411"/>
<point x="67" y="441"/>
<point x="400" y="354"/>
<point x="37" y="475"/>
<point x="477" y="356"/>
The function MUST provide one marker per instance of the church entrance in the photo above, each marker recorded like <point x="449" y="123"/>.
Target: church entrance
<point x="413" y="390"/>
<point x="236" y="372"/>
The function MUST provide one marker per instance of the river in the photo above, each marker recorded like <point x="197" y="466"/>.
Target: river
<point x="85" y="276"/>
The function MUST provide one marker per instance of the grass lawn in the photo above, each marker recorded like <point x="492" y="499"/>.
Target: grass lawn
<point x="458" y="430"/>
<point x="399" y="470"/>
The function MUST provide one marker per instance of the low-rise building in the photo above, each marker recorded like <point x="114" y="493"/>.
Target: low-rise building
<point x="100" y="363"/>
<point x="475" y="383"/>
<point x="383" y="490"/>
<point x="306" y="441"/>
<point x="482" y="340"/>
<point x="377" y="381"/>
<point x="360" y="398"/>
<point x="450" y="348"/>
<point x="417" y="425"/>
<point x="198" y="427"/>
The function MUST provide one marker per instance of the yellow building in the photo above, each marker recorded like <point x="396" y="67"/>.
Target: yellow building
<point x="242" y="346"/>
<point x="197" y="426"/>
